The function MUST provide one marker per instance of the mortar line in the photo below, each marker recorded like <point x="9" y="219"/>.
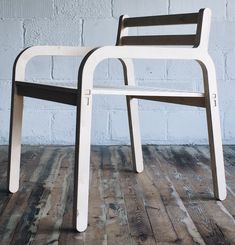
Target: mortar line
<point x="225" y="55"/>
<point x="82" y="32"/>
<point x="109" y="127"/>
<point x="24" y="33"/>
<point x="226" y="10"/>
<point x="112" y="6"/>
<point x="52" y="68"/>
<point x="53" y="7"/>
<point x="168" y="7"/>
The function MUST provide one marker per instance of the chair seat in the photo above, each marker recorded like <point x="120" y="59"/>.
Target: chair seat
<point x="68" y="94"/>
<point x="143" y="91"/>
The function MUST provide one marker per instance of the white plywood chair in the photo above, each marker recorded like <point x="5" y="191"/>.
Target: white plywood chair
<point x="126" y="49"/>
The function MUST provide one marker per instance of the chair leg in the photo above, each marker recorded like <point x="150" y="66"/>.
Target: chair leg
<point x="82" y="164"/>
<point x="133" y="118"/>
<point x="15" y="141"/>
<point x="214" y="132"/>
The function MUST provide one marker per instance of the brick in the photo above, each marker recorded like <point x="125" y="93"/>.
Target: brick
<point x="67" y="8"/>
<point x="7" y="58"/>
<point x="26" y="9"/>
<point x="35" y="104"/>
<point x="218" y="7"/>
<point x="153" y="126"/>
<point x="11" y="34"/>
<point x="5" y="125"/>
<point x="229" y="121"/>
<point x="230" y="62"/>
<point x="226" y="91"/>
<point x="187" y="127"/>
<point x="222" y="35"/>
<point x="119" y="127"/>
<point x="114" y="102"/>
<point x="5" y="95"/>
<point x="191" y="70"/>
<point x="67" y="68"/>
<point x="144" y="69"/>
<point x="56" y="32"/>
<point x="231" y="10"/>
<point x="64" y="132"/>
<point x="181" y="69"/>
<point x="100" y="32"/>
<point x="63" y="126"/>
<point x="115" y="70"/>
<point x="219" y="60"/>
<point x="39" y="68"/>
<point x="95" y="9"/>
<point x="83" y="8"/>
<point x="100" y="127"/>
<point x="139" y="7"/>
<point x="36" y="127"/>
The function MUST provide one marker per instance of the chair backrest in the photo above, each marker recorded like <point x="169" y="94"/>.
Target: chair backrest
<point x="202" y="19"/>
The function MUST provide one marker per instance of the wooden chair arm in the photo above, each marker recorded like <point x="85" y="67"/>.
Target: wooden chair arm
<point x="95" y="56"/>
<point x="26" y="55"/>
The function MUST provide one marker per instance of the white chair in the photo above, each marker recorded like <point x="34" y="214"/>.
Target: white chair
<point x="126" y="49"/>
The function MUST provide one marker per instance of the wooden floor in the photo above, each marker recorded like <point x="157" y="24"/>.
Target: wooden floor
<point x="171" y="202"/>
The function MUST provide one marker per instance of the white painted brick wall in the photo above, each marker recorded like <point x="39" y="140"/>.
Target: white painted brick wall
<point x="217" y="6"/>
<point x="26" y="9"/>
<point x="94" y="23"/>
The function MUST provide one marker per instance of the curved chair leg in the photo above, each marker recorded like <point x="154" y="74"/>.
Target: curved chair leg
<point x="133" y="118"/>
<point x="214" y="130"/>
<point x="15" y="141"/>
<point x="82" y="163"/>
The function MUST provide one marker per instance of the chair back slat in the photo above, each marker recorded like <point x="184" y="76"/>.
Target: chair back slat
<point x="177" y="19"/>
<point x="159" y="40"/>
<point x="201" y="19"/>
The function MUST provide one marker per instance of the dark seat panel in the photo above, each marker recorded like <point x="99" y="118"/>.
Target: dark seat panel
<point x="48" y="92"/>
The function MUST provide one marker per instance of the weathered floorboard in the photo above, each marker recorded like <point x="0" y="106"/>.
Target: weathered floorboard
<point x="194" y="185"/>
<point x="171" y="202"/>
<point x="175" y="208"/>
<point x="140" y="227"/>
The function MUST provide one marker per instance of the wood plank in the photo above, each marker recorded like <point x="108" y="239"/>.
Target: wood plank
<point x="15" y="205"/>
<point x="30" y="160"/>
<point x="159" y="40"/>
<point x="184" y="227"/>
<point x="117" y="229"/>
<point x="190" y="101"/>
<point x="144" y="91"/>
<point x="229" y="152"/>
<point x="35" y="190"/>
<point x="56" y="185"/>
<point x="160" y="222"/>
<point x="191" y="183"/>
<point x="203" y="155"/>
<point x="68" y="235"/>
<point x="191" y="18"/>
<point x="4" y="194"/>
<point x="171" y="202"/>
<point x="58" y="94"/>
<point x="140" y="228"/>
<point x="13" y="211"/>
<point x="96" y="231"/>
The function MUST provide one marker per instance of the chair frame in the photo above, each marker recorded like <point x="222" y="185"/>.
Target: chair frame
<point x="126" y="49"/>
